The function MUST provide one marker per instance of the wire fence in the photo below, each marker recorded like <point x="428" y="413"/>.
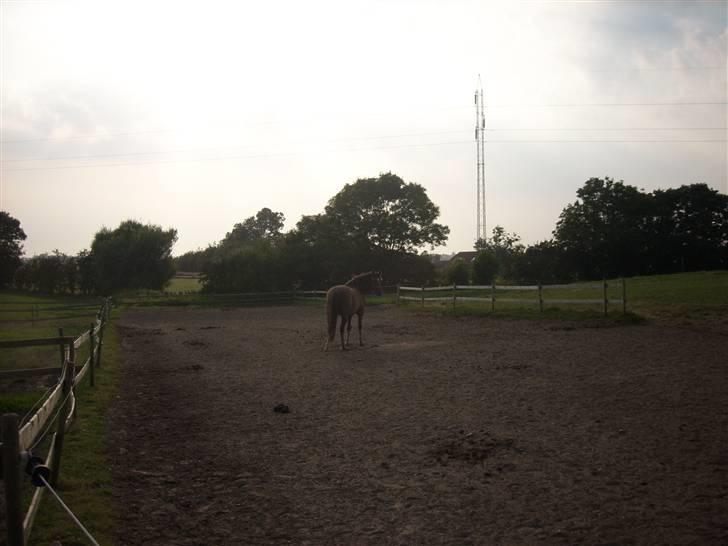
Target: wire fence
<point x="46" y="421"/>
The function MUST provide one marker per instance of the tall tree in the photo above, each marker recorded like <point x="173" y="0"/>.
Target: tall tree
<point x="689" y="229"/>
<point x="605" y="231"/>
<point x="387" y="214"/>
<point x="266" y="224"/>
<point x="11" y="248"/>
<point x="133" y="255"/>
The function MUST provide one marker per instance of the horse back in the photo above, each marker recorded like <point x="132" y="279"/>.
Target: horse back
<point x="343" y="300"/>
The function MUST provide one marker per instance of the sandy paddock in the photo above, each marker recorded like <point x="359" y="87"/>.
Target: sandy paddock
<point x="439" y="430"/>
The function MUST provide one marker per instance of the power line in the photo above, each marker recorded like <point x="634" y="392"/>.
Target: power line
<point x="289" y="154"/>
<point x="515" y="129"/>
<point x="495" y="105"/>
<point x="590" y="104"/>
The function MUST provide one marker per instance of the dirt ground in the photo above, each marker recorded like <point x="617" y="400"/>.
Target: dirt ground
<point x="439" y="430"/>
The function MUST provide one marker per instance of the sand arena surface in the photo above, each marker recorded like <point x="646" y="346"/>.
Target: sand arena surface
<point x="439" y="431"/>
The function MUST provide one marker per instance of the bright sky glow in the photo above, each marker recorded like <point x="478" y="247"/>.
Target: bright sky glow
<point x="197" y="114"/>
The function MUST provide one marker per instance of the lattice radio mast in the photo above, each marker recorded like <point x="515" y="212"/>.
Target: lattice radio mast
<point x="480" y="145"/>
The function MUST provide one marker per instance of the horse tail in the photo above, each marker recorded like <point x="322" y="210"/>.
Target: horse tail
<point x="331" y="315"/>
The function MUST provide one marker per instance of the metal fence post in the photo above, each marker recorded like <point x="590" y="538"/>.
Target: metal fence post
<point x="606" y="301"/>
<point x="454" y="295"/>
<point x="492" y="297"/>
<point x="423" y="295"/>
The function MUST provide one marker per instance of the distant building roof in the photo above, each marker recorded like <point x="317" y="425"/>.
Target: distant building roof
<point x="467" y="256"/>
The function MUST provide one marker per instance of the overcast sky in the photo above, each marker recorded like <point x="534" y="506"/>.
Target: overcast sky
<point x="195" y="115"/>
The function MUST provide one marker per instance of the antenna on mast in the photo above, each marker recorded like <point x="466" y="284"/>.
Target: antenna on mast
<point x="480" y="147"/>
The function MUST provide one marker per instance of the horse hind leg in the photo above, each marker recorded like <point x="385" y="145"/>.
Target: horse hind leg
<point x="361" y="318"/>
<point x="341" y="333"/>
<point x="348" y="331"/>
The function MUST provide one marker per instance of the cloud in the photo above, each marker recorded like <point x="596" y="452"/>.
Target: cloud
<point x="60" y="119"/>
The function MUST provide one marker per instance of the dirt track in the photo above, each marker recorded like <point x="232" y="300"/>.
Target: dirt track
<point x="439" y="430"/>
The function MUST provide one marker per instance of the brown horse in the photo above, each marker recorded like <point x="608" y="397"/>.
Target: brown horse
<point x="345" y="300"/>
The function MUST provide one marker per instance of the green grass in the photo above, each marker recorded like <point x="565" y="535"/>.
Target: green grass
<point x="19" y="402"/>
<point x="704" y="288"/>
<point x="53" y="312"/>
<point x="184" y="284"/>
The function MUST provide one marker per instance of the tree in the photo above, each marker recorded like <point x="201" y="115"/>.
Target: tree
<point x="44" y="273"/>
<point x="605" y="231"/>
<point x="457" y="272"/>
<point x="689" y="229"/>
<point x="86" y="279"/>
<point x="248" y="258"/>
<point x="266" y="224"/>
<point x="254" y="267"/>
<point x="485" y="267"/>
<point x="11" y="248"/>
<point x="543" y="262"/>
<point x="195" y="260"/>
<point x="387" y="214"/>
<point x="133" y="256"/>
<point x="502" y="251"/>
<point x="318" y="254"/>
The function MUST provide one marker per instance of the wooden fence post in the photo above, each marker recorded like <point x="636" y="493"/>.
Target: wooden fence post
<point x="492" y="297"/>
<point x="540" y="297"/>
<point x="62" y="416"/>
<point x="63" y="348"/>
<point x="102" y="327"/>
<point x="606" y="301"/>
<point x="423" y="295"/>
<point x="454" y="295"/>
<point x="624" y="296"/>
<point x="92" y="344"/>
<point x="12" y="480"/>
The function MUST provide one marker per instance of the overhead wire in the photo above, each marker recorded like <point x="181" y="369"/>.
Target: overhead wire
<point x="380" y="137"/>
<point x="344" y="150"/>
<point x="318" y="114"/>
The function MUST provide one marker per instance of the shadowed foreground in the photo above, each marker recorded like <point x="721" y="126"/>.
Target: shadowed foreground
<point x="439" y="430"/>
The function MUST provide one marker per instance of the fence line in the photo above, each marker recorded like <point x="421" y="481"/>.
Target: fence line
<point x="493" y="297"/>
<point x="60" y="408"/>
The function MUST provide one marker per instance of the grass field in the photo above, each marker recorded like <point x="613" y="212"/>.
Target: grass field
<point x="184" y="284"/>
<point x="682" y="293"/>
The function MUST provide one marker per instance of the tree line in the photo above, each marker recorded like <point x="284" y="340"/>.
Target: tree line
<point x="383" y="223"/>
<point x="371" y="224"/>
<point x="132" y="256"/>
<point x="612" y="230"/>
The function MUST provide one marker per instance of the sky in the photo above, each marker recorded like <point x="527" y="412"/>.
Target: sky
<point x="195" y="115"/>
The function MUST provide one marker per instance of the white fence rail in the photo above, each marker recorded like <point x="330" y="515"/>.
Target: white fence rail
<point x="458" y="293"/>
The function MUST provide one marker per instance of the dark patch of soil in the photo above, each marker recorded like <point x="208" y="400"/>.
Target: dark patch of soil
<point x="437" y="431"/>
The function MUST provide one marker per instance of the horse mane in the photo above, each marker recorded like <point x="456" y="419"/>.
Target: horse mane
<point x="356" y="279"/>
